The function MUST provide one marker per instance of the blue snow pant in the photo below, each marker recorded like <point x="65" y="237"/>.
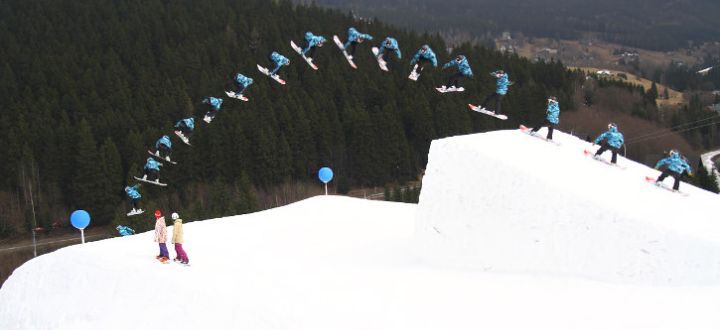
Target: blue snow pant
<point x="164" y="251"/>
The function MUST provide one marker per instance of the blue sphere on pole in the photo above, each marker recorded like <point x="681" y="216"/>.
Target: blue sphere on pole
<point x="80" y="219"/>
<point x="325" y="174"/>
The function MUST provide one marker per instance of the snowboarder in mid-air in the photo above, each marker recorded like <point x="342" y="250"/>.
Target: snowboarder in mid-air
<point x="552" y="117"/>
<point x="501" y="88"/>
<point x="243" y="83"/>
<point x="675" y="166"/>
<point x="611" y="140"/>
<point x="423" y="56"/>
<point x="311" y="43"/>
<point x="464" y="70"/>
<point x="215" y="105"/>
<point x="184" y="129"/>
<point x="152" y="171"/>
<point x="163" y="148"/>
<point x="354" y="37"/>
<point x="124" y="230"/>
<point x="388" y="45"/>
<point x="279" y="61"/>
<point x="133" y="192"/>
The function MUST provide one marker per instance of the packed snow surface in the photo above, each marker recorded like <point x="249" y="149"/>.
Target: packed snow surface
<point x="333" y="262"/>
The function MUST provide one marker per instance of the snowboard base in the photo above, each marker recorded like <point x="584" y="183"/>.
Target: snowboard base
<point x="486" y="112"/>
<point x="151" y="182"/>
<point x="414" y="75"/>
<point x="167" y="160"/>
<point x="300" y="52"/>
<point x="183" y="137"/>
<point x="131" y="213"/>
<point x="602" y="160"/>
<point x="266" y="72"/>
<point x="344" y="51"/>
<point x="381" y="62"/>
<point x="663" y="186"/>
<point x="443" y="89"/>
<point x="237" y="96"/>
<point x="527" y="131"/>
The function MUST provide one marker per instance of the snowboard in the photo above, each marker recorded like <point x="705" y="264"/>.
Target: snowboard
<point x="444" y="89"/>
<point x="526" y="130"/>
<point x="151" y="182"/>
<point x="602" y="160"/>
<point x="207" y="119"/>
<point x="162" y="159"/>
<point x="300" y="52"/>
<point x="663" y="186"/>
<point x="414" y="75"/>
<point x="482" y="110"/>
<point x="266" y="72"/>
<point x="131" y="213"/>
<point x="344" y="51"/>
<point x="183" y="137"/>
<point x="381" y="62"/>
<point x="237" y="96"/>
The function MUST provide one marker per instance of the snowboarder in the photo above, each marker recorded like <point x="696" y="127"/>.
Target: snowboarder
<point x="243" y="83"/>
<point x="161" y="237"/>
<point x="464" y="70"/>
<point x="424" y="55"/>
<point x="311" y="43"/>
<point x="133" y="192"/>
<point x="279" y="61"/>
<point x="390" y="44"/>
<point x="152" y="170"/>
<point x="163" y="148"/>
<point x="184" y="129"/>
<point x="353" y="39"/>
<point x="178" y="240"/>
<point x="611" y="140"/>
<point x="124" y="230"/>
<point x="552" y="118"/>
<point x="676" y="165"/>
<point x="215" y="105"/>
<point x="501" y="89"/>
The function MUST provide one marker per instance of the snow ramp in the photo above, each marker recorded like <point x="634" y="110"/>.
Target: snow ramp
<point x="509" y="202"/>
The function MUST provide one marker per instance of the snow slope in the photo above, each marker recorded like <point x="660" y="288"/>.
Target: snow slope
<point x="332" y="262"/>
<point x="532" y="206"/>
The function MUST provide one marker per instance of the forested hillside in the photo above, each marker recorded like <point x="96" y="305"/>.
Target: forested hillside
<point x="89" y="85"/>
<point x="649" y="24"/>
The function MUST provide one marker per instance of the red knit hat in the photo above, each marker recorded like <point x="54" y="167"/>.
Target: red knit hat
<point x="158" y="214"/>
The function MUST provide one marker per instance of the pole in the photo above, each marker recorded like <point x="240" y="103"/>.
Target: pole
<point x="325" y="189"/>
<point x="34" y="245"/>
<point x="82" y="235"/>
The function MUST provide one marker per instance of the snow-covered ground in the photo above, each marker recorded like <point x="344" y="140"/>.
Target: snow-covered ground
<point x="333" y="262"/>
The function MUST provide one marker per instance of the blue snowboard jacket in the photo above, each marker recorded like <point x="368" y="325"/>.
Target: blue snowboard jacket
<point x="428" y="55"/>
<point x="463" y="66"/>
<point x="614" y="138"/>
<point x="152" y="164"/>
<point x="243" y="80"/>
<point x="133" y="191"/>
<point x="124" y="230"/>
<point x="675" y="163"/>
<point x="214" y="102"/>
<point x="312" y="41"/>
<point x="390" y="44"/>
<point x="355" y="36"/>
<point x="553" y="112"/>
<point x="164" y="140"/>
<point x="189" y="123"/>
<point x="502" y="82"/>
<point x="279" y="59"/>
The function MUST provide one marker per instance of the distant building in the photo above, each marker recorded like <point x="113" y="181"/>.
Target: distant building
<point x="604" y="73"/>
<point x="714" y="107"/>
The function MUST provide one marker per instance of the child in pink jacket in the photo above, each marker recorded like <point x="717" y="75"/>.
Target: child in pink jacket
<point x="161" y="237"/>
